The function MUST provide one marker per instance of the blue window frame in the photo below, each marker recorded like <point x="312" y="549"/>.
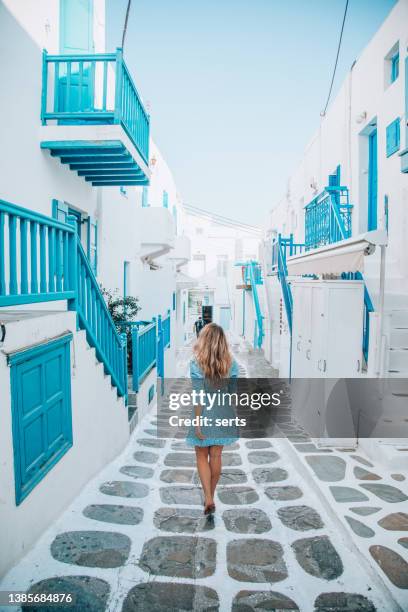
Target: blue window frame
<point x="393" y="137"/>
<point x="41" y="411"/>
<point x="394" y="67"/>
<point x="372" y="181"/>
<point x="165" y="199"/>
<point x="145" y="197"/>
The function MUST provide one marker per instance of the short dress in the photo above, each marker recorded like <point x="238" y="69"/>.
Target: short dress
<point x="213" y="433"/>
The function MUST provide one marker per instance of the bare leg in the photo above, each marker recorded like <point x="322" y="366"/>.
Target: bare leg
<point x="204" y="472"/>
<point x="215" y="466"/>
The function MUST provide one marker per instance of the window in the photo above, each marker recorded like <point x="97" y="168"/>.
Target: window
<point x="394" y="67"/>
<point x="391" y="65"/>
<point x="41" y="411"/>
<point x="393" y="137"/>
<point x="222" y="265"/>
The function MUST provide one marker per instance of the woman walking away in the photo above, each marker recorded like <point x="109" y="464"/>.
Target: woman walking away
<point x="211" y="368"/>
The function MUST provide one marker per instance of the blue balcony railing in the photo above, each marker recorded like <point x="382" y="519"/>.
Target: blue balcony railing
<point x="328" y="218"/>
<point x="94" y="89"/>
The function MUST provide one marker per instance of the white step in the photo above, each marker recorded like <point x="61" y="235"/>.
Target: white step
<point x="399" y="338"/>
<point x="398" y="360"/>
<point x="399" y="318"/>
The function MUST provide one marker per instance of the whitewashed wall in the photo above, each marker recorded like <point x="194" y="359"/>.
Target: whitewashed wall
<point x="341" y="139"/>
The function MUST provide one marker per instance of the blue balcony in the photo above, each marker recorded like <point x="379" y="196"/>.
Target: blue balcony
<point x="94" y="119"/>
<point x="328" y="218"/>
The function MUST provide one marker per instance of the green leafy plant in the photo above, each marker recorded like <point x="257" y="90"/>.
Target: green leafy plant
<point x="123" y="309"/>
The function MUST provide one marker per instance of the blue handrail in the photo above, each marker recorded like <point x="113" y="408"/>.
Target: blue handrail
<point x="94" y="317"/>
<point x="144" y="351"/>
<point x="166" y="330"/>
<point x="94" y="89"/>
<point x="328" y="217"/>
<point x="253" y="276"/>
<point x="55" y="267"/>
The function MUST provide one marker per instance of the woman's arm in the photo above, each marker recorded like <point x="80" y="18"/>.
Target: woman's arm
<point x="197" y="381"/>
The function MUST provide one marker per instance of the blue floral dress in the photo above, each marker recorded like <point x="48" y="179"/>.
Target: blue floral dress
<point x="214" y="435"/>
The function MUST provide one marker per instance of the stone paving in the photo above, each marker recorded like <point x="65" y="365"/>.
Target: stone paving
<point x="297" y="527"/>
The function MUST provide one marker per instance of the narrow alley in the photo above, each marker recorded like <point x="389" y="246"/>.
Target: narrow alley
<point x="136" y="538"/>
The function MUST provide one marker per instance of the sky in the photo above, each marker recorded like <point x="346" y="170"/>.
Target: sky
<point x="235" y="87"/>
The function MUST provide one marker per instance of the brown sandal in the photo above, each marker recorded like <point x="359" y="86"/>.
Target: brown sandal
<point x="210" y="509"/>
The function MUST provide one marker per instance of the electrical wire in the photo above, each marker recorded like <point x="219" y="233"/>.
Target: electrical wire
<point x="126" y="23"/>
<point x="337" y="59"/>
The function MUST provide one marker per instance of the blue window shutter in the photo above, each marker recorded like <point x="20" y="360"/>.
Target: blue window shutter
<point x="145" y="197"/>
<point x="41" y="411"/>
<point x="92" y="244"/>
<point x="393" y="137"/>
<point x="165" y="199"/>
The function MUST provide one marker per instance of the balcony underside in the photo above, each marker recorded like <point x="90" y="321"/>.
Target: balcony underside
<point x="102" y="163"/>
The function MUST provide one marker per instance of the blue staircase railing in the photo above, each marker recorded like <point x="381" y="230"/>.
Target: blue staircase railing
<point x="144" y="351"/>
<point x="328" y="218"/>
<point x="94" y="89"/>
<point x="55" y="267"/>
<point x="368" y="308"/>
<point x="166" y="330"/>
<point x="253" y="277"/>
<point x="282" y="248"/>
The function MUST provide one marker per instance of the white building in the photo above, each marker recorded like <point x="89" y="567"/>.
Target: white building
<point x="361" y="145"/>
<point x="217" y="245"/>
<point x="76" y="214"/>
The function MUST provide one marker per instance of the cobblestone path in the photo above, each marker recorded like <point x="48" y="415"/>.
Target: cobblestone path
<point x="296" y="528"/>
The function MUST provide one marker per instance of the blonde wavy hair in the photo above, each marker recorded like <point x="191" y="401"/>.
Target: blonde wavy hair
<point x="212" y="352"/>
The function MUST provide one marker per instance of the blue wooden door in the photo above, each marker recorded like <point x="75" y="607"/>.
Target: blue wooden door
<point x="225" y="317"/>
<point x="41" y="411"/>
<point x="372" y="181"/>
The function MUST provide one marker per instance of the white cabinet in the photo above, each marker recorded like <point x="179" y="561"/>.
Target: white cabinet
<point x="327" y="328"/>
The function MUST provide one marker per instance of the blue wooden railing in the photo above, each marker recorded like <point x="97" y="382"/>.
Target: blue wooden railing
<point x="35" y="262"/>
<point x="282" y="248"/>
<point x="328" y="218"/>
<point x="42" y="259"/>
<point x="252" y="275"/>
<point x="368" y="308"/>
<point x="144" y="351"/>
<point x="94" y="89"/>
<point x="166" y="330"/>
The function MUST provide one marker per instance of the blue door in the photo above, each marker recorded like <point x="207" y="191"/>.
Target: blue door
<point x="372" y="181"/>
<point x="41" y="411"/>
<point x="225" y="317"/>
<point x="76" y="90"/>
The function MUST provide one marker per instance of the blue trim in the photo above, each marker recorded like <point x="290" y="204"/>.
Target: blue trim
<point x="165" y="199"/>
<point x="150" y="394"/>
<point x="393" y="137"/>
<point x="394" y="67"/>
<point x="40" y="388"/>
<point x="372" y="181"/>
<point x="145" y="197"/>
